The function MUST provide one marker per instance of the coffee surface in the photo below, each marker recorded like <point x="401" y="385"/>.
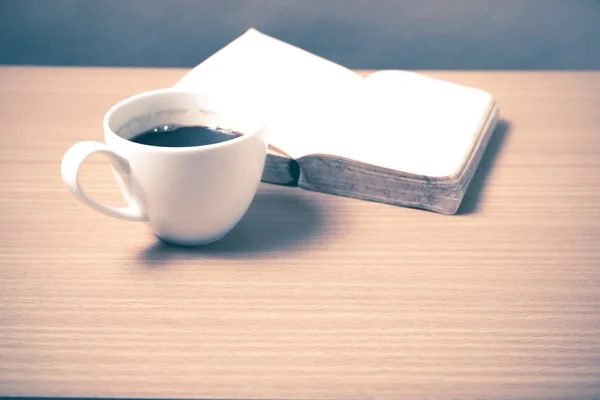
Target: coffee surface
<point x="184" y="136"/>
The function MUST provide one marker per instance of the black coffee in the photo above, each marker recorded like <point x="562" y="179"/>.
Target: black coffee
<point x="184" y="136"/>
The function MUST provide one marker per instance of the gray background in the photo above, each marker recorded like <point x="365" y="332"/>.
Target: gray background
<point x="435" y="34"/>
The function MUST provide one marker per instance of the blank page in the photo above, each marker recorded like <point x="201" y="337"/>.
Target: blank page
<point x="412" y="123"/>
<point x="296" y="88"/>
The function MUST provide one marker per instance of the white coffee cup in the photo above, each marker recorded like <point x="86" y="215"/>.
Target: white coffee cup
<point x="187" y="195"/>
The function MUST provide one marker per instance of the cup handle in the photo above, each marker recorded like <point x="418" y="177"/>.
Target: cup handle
<point x="71" y="164"/>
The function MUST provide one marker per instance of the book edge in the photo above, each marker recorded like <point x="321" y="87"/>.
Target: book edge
<point x="438" y="194"/>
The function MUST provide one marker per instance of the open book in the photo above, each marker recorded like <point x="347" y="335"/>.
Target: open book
<point x="394" y="137"/>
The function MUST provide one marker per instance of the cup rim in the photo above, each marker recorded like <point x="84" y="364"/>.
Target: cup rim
<point x="200" y="148"/>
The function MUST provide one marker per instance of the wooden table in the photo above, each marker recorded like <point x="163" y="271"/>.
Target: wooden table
<point x="312" y="296"/>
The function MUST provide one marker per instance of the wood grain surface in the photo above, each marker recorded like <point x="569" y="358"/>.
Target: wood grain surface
<point x="312" y="296"/>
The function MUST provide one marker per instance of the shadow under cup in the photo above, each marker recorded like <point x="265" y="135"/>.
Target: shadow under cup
<point x="190" y="195"/>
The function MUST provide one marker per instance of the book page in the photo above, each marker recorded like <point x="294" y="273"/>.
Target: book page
<point x="412" y="123"/>
<point x="296" y="89"/>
